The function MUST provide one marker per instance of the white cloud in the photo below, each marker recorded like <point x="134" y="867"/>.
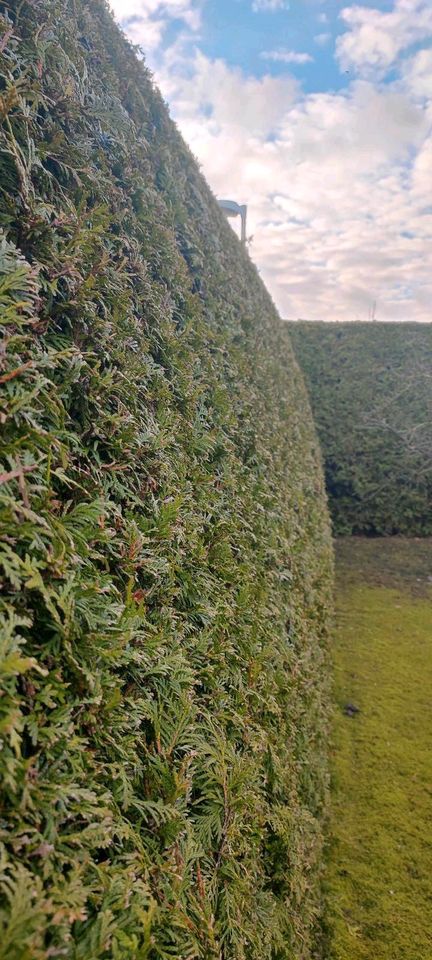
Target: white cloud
<point x="321" y="39"/>
<point x="221" y="99"/>
<point x="286" y="56"/>
<point x="145" y="21"/>
<point x="336" y="195"/>
<point x="259" y="6"/>
<point x="374" y="39"/>
<point x="417" y="74"/>
<point x="337" y="184"/>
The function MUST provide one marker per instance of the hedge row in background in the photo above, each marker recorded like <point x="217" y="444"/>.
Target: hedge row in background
<point x="371" y="391"/>
<point x="165" y="552"/>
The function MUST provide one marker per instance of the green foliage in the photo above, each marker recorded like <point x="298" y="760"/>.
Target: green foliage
<point x="165" y="551"/>
<point x="371" y="392"/>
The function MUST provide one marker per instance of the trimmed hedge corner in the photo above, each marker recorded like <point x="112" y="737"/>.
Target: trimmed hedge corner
<point x="165" y="549"/>
<point x="371" y="392"/>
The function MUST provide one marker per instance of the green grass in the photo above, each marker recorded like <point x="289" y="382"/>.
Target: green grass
<point x="379" y="878"/>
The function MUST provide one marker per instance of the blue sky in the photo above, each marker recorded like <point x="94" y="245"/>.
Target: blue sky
<point x="318" y="115"/>
<point x="233" y="32"/>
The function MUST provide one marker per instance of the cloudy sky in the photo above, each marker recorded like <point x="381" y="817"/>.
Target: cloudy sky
<point x="318" y="115"/>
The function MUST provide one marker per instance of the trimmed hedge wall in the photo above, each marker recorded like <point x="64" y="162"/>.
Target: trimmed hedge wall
<point x="165" y="549"/>
<point x="371" y="391"/>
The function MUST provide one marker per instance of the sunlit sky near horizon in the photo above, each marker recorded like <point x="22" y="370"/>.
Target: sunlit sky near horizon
<point x="318" y="115"/>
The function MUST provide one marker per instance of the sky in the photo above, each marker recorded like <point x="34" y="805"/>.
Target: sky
<point x="318" y="115"/>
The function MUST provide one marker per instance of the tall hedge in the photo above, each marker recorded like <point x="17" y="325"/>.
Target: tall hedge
<point x="165" y="553"/>
<point x="371" y="391"/>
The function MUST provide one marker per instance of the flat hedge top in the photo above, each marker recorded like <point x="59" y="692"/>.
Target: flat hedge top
<point x="165" y="554"/>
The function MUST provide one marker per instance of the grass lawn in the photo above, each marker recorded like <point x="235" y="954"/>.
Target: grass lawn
<point x="379" y="880"/>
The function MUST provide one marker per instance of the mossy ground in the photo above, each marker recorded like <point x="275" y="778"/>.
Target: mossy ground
<point x="379" y="882"/>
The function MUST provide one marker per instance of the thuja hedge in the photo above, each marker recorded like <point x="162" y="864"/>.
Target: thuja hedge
<point x="165" y="554"/>
<point x="371" y="392"/>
